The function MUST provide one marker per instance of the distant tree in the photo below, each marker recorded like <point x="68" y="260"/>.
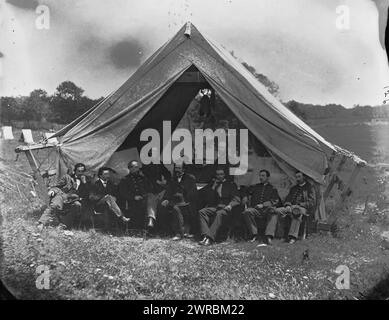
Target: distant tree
<point x="271" y="86"/>
<point x="67" y="90"/>
<point x="66" y="102"/>
<point x="36" y="106"/>
<point x="11" y="108"/>
<point x="296" y="108"/>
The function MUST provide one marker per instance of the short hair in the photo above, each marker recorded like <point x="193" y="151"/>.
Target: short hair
<point x="182" y="163"/>
<point x="131" y="162"/>
<point x="79" y="165"/>
<point x="266" y="171"/>
<point x="102" y="169"/>
<point x="220" y="167"/>
<point x="302" y="173"/>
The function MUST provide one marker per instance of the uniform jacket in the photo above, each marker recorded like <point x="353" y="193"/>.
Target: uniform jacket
<point x="261" y="193"/>
<point x="134" y="185"/>
<point x="303" y="196"/>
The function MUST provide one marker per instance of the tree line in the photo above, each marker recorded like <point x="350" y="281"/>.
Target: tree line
<point x="67" y="103"/>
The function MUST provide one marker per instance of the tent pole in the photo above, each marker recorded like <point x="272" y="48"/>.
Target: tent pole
<point x="42" y="188"/>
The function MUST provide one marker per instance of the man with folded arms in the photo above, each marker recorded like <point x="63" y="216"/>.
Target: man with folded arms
<point x="221" y="197"/>
<point x="299" y="202"/>
<point x="262" y="200"/>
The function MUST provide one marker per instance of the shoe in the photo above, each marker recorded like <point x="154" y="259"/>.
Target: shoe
<point x="291" y="241"/>
<point x="125" y="220"/>
<point x="151" y="223"/>
<point x="207" y="242"/>
<point x="253" y="239"/>
<point x="203" y="241"/>
<point x="269" y="241"/>
<point x="177" y="238"/>
<point x="188" y="235"/>
<point x="262" y="245"/>
<point x="62" y="226"/>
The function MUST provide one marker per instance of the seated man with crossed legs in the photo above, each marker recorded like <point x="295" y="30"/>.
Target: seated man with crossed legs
<point x="103" y="196"/>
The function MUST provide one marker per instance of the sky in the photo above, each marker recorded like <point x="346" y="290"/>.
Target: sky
<point x="298" y="44"/>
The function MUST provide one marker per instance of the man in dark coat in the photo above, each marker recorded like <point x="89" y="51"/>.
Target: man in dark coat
<point x="159" y="178"/>
<point x="180" y="201"/>
<point x="299" y="202"/>
<point x="133" y="190"/>
<point x="261" y="201"/>
<point x="103" y="196"/>
<point x="221" y="197"/>
<point x="71" y="191"/>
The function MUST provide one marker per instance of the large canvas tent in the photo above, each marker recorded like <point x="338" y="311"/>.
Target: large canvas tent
<point x="162" y="89"/>
<point x="154" y="93"/>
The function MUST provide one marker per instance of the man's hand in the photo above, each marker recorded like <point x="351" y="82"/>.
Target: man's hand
<point x="245" y="200"/>
<point x="267" y="204"/>
<point x="228" y="208"/>
<point x="138" y="198"/>
<point x="165" y="203"/>
<point x="83" y="179"/>
<point x="259" y="206"/>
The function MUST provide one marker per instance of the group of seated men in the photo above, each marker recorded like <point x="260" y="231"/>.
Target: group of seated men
<point x="151" y="194"/>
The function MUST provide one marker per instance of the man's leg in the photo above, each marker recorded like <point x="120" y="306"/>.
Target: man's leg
<point x="205" y="216"/>
<point x="284" y="219"/>
<point x="271" y="227"/>
<point x="152" y="202"/>
<point x="76" y="209"/>
<point x="50" y="215"/>
<point x="113" y="206"/>
<point x="249" y="215"/>
<point x="220" y="215"/>
<point x="177" y="221"/>
<point x="294" y="226"/>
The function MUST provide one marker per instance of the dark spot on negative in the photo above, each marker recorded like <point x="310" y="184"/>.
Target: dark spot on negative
<point x="24" y="4"/>
<point x="126" y="54"/>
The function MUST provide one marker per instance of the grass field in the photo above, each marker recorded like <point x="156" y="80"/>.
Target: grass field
<point x="93" y="265"/>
